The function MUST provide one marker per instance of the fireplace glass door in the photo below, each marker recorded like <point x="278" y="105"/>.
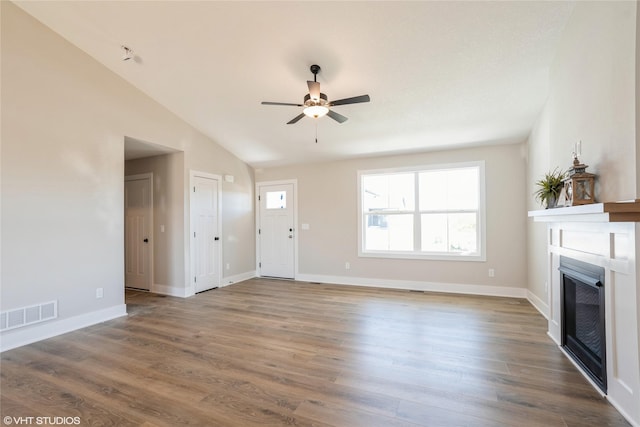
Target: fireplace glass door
<point x="583" y="327"/>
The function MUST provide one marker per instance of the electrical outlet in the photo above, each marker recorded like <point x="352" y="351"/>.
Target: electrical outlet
<point x="227" y="266"/>
<point x="99" y="293"/>
<point x="492" y="272"/>
<point x="347" y="265"/>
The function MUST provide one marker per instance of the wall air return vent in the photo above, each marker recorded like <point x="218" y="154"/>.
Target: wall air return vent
<point x="25" y="316"/>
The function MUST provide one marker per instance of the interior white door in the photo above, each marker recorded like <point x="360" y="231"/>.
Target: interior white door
<point x="138" y="207"/>
<point x="206" y="233"/>
<point x="276" y="231"/>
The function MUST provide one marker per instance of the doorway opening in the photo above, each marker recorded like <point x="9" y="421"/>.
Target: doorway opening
<point x="153" y="177"/>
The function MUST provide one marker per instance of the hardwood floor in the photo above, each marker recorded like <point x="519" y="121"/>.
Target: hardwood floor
<point x="268" y="352"/>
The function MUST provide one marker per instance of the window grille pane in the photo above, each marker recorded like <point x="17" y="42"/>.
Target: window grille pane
<point x="453" y="233"/>
<point x="463" y="234"/>
<point x="389" y="232"/>
<point x="276" y="199"/>
<point x="449" y="189"/>
<point x="390" y="192"/>
<point x="434" y="233"/>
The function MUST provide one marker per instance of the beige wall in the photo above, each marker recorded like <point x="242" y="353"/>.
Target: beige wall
<point x="592" y="98"/>
<point x="592" y="95"/>
<point x="538" y="163"/>
<point x="64" y="120"/>
<point x="328" y="203"/>
<point x="169" y="199"/>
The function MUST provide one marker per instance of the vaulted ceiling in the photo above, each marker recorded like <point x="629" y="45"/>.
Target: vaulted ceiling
<point x="439" y="74"/>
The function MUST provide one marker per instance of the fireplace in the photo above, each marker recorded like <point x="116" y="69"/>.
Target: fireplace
<point x="604" y="303"/>
<point x="583" y="317"/>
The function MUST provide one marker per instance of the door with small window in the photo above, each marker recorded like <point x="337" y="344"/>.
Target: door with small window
<point x="276" y="231"/>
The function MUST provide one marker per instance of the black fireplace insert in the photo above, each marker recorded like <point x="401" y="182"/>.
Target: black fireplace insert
<point x="583" y="317"/>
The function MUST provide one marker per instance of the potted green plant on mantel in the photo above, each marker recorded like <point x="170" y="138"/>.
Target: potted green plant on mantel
<point x="549" y="188"/>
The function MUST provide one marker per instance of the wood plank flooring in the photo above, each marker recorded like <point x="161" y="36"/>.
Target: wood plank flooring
<point x="273" y="353"/>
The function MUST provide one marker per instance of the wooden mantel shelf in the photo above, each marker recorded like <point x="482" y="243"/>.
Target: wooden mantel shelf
<point x="628" y="211"/>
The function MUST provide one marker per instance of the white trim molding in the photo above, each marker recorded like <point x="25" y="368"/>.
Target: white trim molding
<point x="186" y="292"/>
<point x="538" y="304"/>
<point x="452" y="288"/>
<point x="173" y="291"/>
<point x="237" y="278"/>
<point x="41" y="331"/>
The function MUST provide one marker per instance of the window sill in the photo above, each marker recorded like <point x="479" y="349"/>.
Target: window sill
<point x="423" y="256"/>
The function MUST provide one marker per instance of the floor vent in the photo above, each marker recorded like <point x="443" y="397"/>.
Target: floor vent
<point x="28" y="315"/>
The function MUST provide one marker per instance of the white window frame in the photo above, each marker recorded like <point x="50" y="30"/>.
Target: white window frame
<point x="416" y="254"/>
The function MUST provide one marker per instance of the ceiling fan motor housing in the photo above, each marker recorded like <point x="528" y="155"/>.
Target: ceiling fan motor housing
<point x="308" y="102"/>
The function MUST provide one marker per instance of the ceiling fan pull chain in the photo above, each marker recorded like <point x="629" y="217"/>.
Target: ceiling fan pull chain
<point x="316" y="131"/>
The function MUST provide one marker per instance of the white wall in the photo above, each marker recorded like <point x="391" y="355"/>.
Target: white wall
<point x="64" y="120"/>
<point x="328" y="203"/>
<point x="592" y="98"/>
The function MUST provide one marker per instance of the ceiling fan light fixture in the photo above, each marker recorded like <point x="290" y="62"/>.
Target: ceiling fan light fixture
<point x="315" y="111"/>
<point x="316" y="103"/>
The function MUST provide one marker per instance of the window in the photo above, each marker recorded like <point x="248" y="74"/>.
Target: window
<point x="431" y="212"/>
<point x="276" y="200"/>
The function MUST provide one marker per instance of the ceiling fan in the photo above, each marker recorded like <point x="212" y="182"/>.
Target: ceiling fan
<point x="316" y="104"/>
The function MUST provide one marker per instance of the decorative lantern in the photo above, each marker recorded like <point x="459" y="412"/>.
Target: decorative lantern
<point x="579" y="185"/>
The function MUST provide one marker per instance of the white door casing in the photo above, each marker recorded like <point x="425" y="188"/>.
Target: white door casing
<point x="206" y="227"/>
<point x="276" y="229"/>
<point x="138" y="206"/>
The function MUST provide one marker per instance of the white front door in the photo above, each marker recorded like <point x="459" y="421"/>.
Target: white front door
<point x="276" y="231"/>
<point x="138" y="207"/>
<point x="205" y="232"/>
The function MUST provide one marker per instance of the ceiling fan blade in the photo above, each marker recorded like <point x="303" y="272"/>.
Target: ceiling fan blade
<point x="354" y="100"/>
<point x="314" y="90"/>
<point x="295" y="119"/>
<point x="281" y="103"/>
<point x="337" y="117"/>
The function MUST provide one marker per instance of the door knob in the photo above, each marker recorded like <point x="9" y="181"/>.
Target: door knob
<point x="216" y="238"/>
<point x="146" y="240"/>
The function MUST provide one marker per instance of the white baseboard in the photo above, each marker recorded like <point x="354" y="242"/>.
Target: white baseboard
<point x="172" y="291"/>
<point x="30" y="334"/>
<point x="540" y="305"/>
<point x="624" y="413"/>
<point x="553" y="339"/>
<point x="176" y="291"/>
<point x="454" y="288"/>
<point x="229" y="280"/>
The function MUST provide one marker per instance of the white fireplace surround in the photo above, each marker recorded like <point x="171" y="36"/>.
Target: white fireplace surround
<point x="592" y="234"/>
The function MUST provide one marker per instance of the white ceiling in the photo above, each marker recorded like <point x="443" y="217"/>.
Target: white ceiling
<point x="440" y="74"/>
